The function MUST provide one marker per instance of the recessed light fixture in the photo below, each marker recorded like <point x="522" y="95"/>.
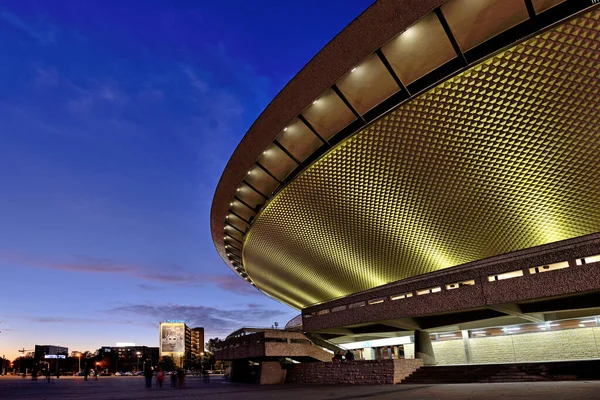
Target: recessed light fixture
<point x="315" y="102"/>
<point x="285" y="129"/>
<point x="353" y="69"/>
<point x="249" y="172"/>
<point x="238" y="189"/>
<point x="231" y="204"/>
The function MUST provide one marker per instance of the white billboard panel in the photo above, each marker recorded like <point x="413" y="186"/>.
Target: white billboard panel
<point x="172" y="337"/>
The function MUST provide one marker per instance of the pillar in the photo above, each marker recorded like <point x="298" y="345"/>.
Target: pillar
<point x="424" y="348"/>
<point x="465" y="336"/>
<point x="368" y="353"/>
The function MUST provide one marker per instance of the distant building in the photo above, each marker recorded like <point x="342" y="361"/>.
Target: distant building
<point x="48" y="352"/>
<point x="127" y="358"/>
<point x="197" y="347"/>
<point x="179" y="341"/>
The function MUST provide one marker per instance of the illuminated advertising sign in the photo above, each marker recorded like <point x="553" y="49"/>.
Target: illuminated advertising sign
<point x="55" y="356"/>
<point x="172" y="337"/>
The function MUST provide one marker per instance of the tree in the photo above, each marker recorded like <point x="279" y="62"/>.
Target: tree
<point x="23" y="363"/>
<point x="211" y="347"/>
<point x="192" y="362"/>
<point x="167" y="363"/>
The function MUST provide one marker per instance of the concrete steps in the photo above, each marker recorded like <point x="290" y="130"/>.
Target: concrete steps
<point x="514" y="372"/>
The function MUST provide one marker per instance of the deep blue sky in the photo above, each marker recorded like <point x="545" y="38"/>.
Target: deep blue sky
<point x="116" y="121"/>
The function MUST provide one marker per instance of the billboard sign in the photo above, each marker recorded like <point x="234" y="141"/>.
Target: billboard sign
<point x="62" y="356"/>
<point x="172" y="337"/>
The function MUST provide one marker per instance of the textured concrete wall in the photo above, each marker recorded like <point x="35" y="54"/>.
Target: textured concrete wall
<point x="271" y="373"/>
<point x="568" y="344"/>
<point x="495" y="349"/>
<point x="450" y="352"/>
<point x="356" y="372"/>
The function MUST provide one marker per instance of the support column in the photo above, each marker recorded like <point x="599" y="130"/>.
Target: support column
<point x="368" y="353"/>
<point x="424" y="348"/>
<point x="465" y="336"/>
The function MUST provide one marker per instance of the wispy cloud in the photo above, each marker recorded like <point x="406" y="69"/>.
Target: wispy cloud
<point x="46" y="77"/>
<point x="150" y="288"/>
<point x="174" y="275"/>
<point x="42" y="36"/>
<point x="218" y="321"/>
<point x="195" y="82"/>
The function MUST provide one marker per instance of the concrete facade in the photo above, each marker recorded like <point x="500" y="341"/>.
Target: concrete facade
<point x="270" y="344"/>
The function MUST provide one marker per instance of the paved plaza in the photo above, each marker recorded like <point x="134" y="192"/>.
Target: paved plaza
<point x="133" y="388"/>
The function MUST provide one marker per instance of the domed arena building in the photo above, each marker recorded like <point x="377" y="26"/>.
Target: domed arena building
<point x="428" y="185"/>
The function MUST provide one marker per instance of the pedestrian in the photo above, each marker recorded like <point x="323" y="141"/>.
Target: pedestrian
<point x="181" y="377"/>
<point x="338" y="357"/>
<point x="349" y="356"/>
<point x="160" y="377"/>
<point x="148" y="375"/>
<point x="96" y="374"/>
<point x="173" y="379"/>
<point x="205" y="376"/>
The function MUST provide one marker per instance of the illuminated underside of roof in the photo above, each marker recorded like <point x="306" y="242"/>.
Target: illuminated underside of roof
<point x="501" y="157"/>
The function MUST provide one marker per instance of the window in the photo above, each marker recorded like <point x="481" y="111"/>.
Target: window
<point x="401" y="296"/>
<point x="430" y="290"/>
<point x="588" y="260"/>
<point x="377" y="300"/>
<point x="549" y="267"/>
<point x="338" y="308"/>
<point x="359" y="304"/>
<point x="506" y="275"/>
<point x="460" y="284"/>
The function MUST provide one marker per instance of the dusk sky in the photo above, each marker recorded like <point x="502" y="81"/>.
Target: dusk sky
<point x="116" y="121"/>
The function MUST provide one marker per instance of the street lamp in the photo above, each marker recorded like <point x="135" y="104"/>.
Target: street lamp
<point x="138" y="360"/>
<point x="78" y="355"/>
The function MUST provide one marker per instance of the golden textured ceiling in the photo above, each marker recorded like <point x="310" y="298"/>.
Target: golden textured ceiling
<point x="502" y="157"/>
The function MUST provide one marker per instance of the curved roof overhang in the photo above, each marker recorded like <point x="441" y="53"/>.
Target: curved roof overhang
<point x="342" y="93"/>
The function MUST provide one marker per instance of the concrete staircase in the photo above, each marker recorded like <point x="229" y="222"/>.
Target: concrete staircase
<point x="514" y="372"/>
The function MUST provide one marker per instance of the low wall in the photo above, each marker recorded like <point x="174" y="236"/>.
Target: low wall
<point x="370" y="372"/>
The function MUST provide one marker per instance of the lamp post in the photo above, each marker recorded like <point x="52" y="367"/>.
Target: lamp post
<point x="79" y="361"/>
<point x="138" y="360"/>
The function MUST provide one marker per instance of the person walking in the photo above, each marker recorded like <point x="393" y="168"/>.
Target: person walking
<point x="181" y="377"/>
<point x="148" y="375"/>
<point x="205" y="376"/>
<point x="349" y="356"/>
<point x="173" y="379"/>
<point x="160" y="377"/>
